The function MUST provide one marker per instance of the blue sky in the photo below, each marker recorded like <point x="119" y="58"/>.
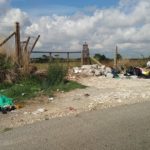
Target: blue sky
<point x="58" y="5"/>
<point x="74" y="3"/>
<point x="67" y="24"/>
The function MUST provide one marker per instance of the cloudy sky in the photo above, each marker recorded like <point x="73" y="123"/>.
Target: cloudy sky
<point x="67" y="24"/>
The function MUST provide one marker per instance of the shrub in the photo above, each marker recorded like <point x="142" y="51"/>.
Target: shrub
<point x="56" y="74"/>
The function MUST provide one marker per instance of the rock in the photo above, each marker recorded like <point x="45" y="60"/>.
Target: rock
<point x="89" y="72"/>
<point x="109" y="75"/>
<point x="25" y="113"/>
<point x="133" y="77"/>
<point x="103" y="67"/>
<point x="51" y="98"/>
<point x="98" y="72"/>
<point x="77" y="70"/>
<point x="86" y="67"/>
<point x="108" y="70"/>
<point x="95" y="66"/>
<point x="86" y="95"/>
<point x="38" y="111"/>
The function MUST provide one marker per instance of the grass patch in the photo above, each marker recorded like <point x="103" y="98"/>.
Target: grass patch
<point x="30" y="87"/>
<point x="23" y="89"/>
<point x="68" y="86"/>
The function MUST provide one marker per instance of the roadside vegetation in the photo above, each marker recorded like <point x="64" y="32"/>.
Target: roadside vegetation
<point x="31" y="85"/>
<point x="122" y="62"/>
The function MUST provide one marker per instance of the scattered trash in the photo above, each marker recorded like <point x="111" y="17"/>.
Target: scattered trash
<point x="72" y="109"/>
<point x="25" y="113"/>
<point x="135" y="72"/>
<point x="18" y="106"/>
<point x="87" y="95"/>
<point x="38" y="111"/>
<point x="6" y="104"/>
<point x="23" y="94"/>
<point x="51" y="98"/>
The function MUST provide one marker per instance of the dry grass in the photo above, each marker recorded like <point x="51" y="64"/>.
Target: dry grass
<point x="45" y="66"/>
<point x="8" y="49"/>
<point x="127" y="63"/>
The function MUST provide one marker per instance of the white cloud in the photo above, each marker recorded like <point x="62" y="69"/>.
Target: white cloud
<point x="4" y="1"/>
<point x="11" y="16"/>
<point x="127" y="25"/>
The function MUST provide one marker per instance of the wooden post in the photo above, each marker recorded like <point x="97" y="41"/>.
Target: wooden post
<point x="18" y="47"/>
<point x="50" y="57"/>
<point x="115" y="58"/>
<point x="35" y="43"/>
<point x="68" y="57"/>
<point x="1" y="44"/>
<point x="26" y="46"/>
<point x="26" y="57"/>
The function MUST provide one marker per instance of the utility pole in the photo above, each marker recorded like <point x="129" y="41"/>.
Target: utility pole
<point x="18" y="46"/>
<point x="115" y="58"/>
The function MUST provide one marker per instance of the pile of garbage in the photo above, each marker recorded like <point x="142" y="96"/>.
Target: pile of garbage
<point x="6" y="104"/>
<point x="102" y="70"/>
<point x="95" y="70"/>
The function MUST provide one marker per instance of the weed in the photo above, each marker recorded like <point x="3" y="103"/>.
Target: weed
<point x="5" y="130"/>
<point x="68" y="86"/>
<point x="56" y="74"/>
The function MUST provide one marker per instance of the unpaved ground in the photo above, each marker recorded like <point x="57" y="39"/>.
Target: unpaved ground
<point x="100" y="93"/>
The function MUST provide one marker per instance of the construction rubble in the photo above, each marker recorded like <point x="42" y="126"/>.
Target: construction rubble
<point x="94" y="70"/>
<point x="102" y="70"/>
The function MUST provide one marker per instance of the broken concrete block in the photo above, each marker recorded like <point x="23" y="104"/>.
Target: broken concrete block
<point x="95" y="66"/>
<point x="77" y="70"/>
<point x="86" y="67"/>
<point x="109" y="75"/>
<point x="98" y="73"/>
<point x="108" y="70"/>
<point x="103" y="67"/>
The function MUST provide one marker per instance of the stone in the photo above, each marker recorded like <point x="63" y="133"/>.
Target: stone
<point x="77" y="70"/>
<point x="87" y="67"/>
<point x="98" y="72"/>
<point x="108" y="70"/>
<point x="95" y="66"/>
<point x="109" y="75"/>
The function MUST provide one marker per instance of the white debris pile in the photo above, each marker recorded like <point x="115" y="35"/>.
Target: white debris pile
<point x="94" y="70"/>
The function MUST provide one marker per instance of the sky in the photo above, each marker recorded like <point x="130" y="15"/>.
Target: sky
<point x="67" y="24"/>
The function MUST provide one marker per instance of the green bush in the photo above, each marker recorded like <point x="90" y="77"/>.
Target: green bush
<point x="25" y="88"/>
<point x="56" y="74"/>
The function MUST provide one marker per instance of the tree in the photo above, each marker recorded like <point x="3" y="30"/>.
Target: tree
<point x="100" y="57"/>
<point x="119" y="56"/>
